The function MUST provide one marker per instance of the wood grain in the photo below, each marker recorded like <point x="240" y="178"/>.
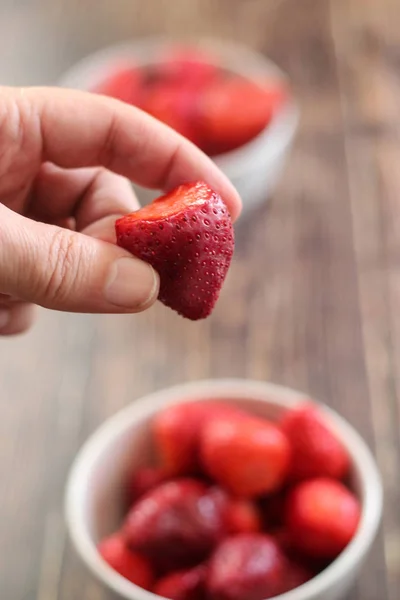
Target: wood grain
<point x="311" y="300"/>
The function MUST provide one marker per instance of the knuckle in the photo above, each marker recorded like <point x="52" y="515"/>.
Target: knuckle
<point x="109" y="147"/>
<point x="65" y="257"/>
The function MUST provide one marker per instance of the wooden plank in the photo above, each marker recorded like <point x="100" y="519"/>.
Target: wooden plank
<point x="366" y="42"/>
<point x="311" y="298"/>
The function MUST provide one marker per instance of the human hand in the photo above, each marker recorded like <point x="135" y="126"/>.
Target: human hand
<point x="64" y="157"/>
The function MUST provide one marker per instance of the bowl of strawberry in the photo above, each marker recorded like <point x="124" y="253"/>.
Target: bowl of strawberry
<point x="225" y="490"/>
<point x="233" y="103"/>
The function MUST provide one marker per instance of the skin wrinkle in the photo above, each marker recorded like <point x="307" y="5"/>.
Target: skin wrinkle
<point x="107" y="152"/>
<point x="66" y="255"/>
<point x="61" y="252"/>
<point x="5" y="151"/>
<point x="11" y="237"/>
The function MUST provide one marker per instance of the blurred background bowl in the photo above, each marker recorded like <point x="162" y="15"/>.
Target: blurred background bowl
<point x="94" y="496"/>
<point x="255" y="167"/>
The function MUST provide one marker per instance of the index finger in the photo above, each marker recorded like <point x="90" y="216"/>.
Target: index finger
<point x="79" y="129"/>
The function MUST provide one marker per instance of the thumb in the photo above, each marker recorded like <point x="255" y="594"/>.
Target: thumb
<point x="64" y="270"/>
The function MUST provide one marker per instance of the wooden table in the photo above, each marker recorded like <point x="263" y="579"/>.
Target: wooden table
<point x="312" y="300"/>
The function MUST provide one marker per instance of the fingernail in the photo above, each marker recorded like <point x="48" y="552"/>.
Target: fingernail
<point x="132" y="284"/>
<point x="4" y="318"/>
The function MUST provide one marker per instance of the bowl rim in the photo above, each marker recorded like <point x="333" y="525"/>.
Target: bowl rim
<point x="276" y="136"/>
<point x="239" y="389"/>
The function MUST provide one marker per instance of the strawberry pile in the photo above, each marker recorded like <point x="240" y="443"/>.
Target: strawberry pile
<point x="237" y="508"/>
<point x="187" y="236"/>
<point x="214" y="108"/>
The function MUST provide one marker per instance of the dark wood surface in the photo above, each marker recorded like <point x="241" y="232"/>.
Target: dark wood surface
<point x="312" y="300"/>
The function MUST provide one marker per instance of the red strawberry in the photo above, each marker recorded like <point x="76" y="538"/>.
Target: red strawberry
<point x="234" y="110"/>
<point x="175" y="106"/>
<point x="242" y="516"/>
<point x="143" y="480"/>
<point x="183" y="585"/>
<point x="247" y="566"/>
<point x="248" y="456"/>
<point x="188" y="67"/>
<point x="316" y="450"/>
<point x="124" y="84"/>
<point x="295" y="575"/>
<point x="187" y="236"/>
<point x="177" y="432"/>
<point x="176" y="525"/>
<point x="322" y="516"/>
<point x="130" y="565"/>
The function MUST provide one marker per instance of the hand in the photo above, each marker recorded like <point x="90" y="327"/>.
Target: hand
<point x="64" y="157"/>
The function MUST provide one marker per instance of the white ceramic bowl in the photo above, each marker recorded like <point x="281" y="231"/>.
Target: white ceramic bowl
<point x="255" y="167"/>
<point x="94" y="495"/>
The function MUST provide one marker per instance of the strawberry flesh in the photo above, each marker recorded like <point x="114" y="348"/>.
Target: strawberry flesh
<point x="187" y="236"/>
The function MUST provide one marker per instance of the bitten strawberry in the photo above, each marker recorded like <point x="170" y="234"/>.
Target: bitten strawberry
<point x="175" y="525"/>
<point x="183" y="585"/>
<point x="249" y="456"/>
<point x="316" y="450"/>
<point x="187" y="236"/>
<point x="177" y="431"/>
<point x="130" y="565"/>
<point x="322" y="516"/>
<point x="142" y="481"/>
<point x="249" y="566"/>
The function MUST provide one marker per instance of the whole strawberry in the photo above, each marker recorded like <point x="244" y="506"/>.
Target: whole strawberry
<point x="248" y="455"/>
<point x="175" y="525"/>
<point x="187" y="236"/>
<point x="142" y="481"/>
<point x="177" y="430"/>
<point x="322" y="516"/>
<point x="125" y="84"/>
<point x="316" y="450"/>
<point x="233" y="110"/>
<point x="130" y="565"/>
<point x="183" y="585"/>
<point x="249" y="566"/>
<point x="243" y="516"/>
